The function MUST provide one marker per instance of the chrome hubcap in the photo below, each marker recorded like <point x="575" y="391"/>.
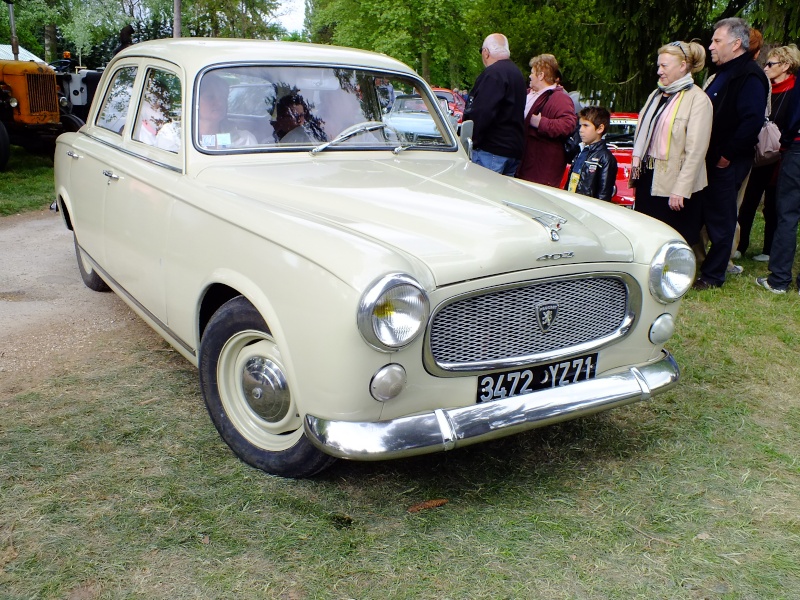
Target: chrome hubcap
<point x="265" y="389"/>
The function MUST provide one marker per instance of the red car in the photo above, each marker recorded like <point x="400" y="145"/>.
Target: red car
<point x="455" y="102"/>
<point x="619" y="139"/>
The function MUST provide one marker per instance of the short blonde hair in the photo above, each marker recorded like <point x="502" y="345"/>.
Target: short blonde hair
<point x="693" y="53"/>
<point x="789" y="55"/>
<point x="547" y="64"/>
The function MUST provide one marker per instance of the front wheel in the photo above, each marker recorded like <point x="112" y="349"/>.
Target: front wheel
<point x="247" y="394"/>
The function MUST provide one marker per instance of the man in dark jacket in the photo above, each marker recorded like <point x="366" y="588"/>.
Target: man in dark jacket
<point x="497" y="107"/>
<point x="787" y="205"/>
<point x="739" y="94"/>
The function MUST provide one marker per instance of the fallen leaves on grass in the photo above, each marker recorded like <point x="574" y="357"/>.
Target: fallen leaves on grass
<point x="427" y="504"/>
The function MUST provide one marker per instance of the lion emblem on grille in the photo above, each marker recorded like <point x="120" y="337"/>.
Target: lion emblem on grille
<point x="546" y="315"/>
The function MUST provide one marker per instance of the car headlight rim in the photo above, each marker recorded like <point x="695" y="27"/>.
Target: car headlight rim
<point x="672" y="272"/>
<point x="393" y="312"/>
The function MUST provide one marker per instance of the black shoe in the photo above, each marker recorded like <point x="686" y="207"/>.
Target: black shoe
<point x="702" y="284"/>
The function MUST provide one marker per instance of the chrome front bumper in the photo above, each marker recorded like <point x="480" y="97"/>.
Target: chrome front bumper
<point x="457" y="427"/>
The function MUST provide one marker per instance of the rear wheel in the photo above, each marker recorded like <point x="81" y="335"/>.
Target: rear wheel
<point x="247" y="394"/>
<point x="90" y="277"/>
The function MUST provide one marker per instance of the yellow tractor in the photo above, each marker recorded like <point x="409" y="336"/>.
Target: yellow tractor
<point x="31" y="113"/>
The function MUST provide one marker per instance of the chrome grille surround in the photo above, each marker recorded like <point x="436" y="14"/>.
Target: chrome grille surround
<point x="496" y="328"/>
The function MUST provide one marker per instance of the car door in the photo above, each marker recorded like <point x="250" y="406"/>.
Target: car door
<point x="90" y="158"/>
<point x="139" y="198"/>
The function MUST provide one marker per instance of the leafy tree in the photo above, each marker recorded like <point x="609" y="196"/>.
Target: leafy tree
<point x="29" y="15"/>
<point x="563" y="28"/>
<point x="606" y="48"/>
<point x="427" y="34"/>
<point x="232" y="18"/>
<point x="778" y="20"/>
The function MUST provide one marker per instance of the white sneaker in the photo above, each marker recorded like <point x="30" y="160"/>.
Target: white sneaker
<point x="735" y="270"/>
<point x="761" y="257"/>
<point x="737" y="255"/>
<point x="762" y="281"/>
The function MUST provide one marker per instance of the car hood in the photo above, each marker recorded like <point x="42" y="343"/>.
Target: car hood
<point x="461" y="220"/>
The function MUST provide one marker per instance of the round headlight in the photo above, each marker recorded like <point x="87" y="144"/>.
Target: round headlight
<point x="392" y="312"/>
<point x="672" y="271"/>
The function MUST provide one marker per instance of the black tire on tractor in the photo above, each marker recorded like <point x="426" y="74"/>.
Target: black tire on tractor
<point x="71" y="123"/>
<point x="5" y="147"/>
<point x="247" y="395"/>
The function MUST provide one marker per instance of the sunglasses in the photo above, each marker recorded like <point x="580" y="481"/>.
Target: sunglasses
<point x="770" y="64"/>
<point x="680" y="47"/>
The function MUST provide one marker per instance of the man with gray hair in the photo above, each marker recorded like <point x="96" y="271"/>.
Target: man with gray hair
<point x="497" y="107"/>
<point x="739" y="95"/>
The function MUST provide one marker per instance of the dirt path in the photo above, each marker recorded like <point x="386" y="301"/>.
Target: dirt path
<point x="48" y="318"/>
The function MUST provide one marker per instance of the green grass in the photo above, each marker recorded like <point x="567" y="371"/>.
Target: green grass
<point x="114" y="484"/>
<point x="27" y="182"/>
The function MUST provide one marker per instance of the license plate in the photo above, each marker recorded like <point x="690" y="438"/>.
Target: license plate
<point x="497" y="386"/>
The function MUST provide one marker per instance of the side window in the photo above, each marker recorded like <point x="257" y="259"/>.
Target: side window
<point x="158" y="118"/>
<point x="114" y="113"/>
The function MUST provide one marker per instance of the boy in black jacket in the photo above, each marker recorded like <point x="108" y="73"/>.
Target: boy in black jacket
<point x="594" y="171"/>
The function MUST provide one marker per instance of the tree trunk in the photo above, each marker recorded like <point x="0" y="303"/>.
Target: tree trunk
<point x="50" y="43"/>
<point x="425" y="65"/>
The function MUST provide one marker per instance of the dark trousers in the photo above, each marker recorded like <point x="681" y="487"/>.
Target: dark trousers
<point x="762" y="182"/>
<point x="719" y="216"/>
<point x="787" y="206"/>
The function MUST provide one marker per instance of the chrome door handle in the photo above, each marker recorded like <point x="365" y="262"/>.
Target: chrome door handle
<point x="111" y="175"/>
<point x="71" y="154"/>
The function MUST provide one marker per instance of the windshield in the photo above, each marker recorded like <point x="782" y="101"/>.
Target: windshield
<point x="620" y="132"/>
<point x="256" y="108"/>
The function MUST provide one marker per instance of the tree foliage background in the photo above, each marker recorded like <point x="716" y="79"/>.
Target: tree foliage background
<point x="606" y="48"/>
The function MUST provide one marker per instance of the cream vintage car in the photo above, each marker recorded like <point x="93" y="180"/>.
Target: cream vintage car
<point x="344" y="288"/>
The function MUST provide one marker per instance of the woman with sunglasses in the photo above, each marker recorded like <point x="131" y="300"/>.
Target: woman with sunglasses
<point x="671" y="141"/>
<point x="781" y="66"/>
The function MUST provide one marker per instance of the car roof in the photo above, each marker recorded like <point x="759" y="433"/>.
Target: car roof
<point x="194" y="54"/>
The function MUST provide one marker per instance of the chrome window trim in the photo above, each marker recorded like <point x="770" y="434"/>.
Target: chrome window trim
<point x="453" y="147"/>
<point x="127" y="152"/>
<point x="480" y="367"/>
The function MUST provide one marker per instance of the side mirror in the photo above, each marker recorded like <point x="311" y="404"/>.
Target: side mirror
<point x="465" y="135"/>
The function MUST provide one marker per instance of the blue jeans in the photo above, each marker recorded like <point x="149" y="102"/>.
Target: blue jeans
<point x="719" y="216"/>
<point x="495" y="162"/>
<point x="787" y="207"/>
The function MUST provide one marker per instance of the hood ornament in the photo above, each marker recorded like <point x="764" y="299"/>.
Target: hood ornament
<point x="551" y="222"/>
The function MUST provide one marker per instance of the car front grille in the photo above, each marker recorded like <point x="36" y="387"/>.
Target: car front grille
<point x="498" y="328"/>
<point x="42" y="92"/>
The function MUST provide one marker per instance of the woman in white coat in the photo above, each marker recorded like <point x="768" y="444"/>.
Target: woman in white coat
<point x="671" y="141"/>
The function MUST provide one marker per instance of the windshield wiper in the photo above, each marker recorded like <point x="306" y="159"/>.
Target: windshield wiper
<point x="346" y="135"/>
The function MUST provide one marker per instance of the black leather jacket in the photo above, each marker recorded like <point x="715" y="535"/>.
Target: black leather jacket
<point x="598" y="172"/>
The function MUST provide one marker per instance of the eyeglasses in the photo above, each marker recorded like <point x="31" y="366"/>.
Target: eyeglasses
<point x="680" y="47"/>
<point x="770" y="64"/>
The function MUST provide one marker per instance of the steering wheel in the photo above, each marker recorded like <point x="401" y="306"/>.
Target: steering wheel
<point x="62" y="65"/>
